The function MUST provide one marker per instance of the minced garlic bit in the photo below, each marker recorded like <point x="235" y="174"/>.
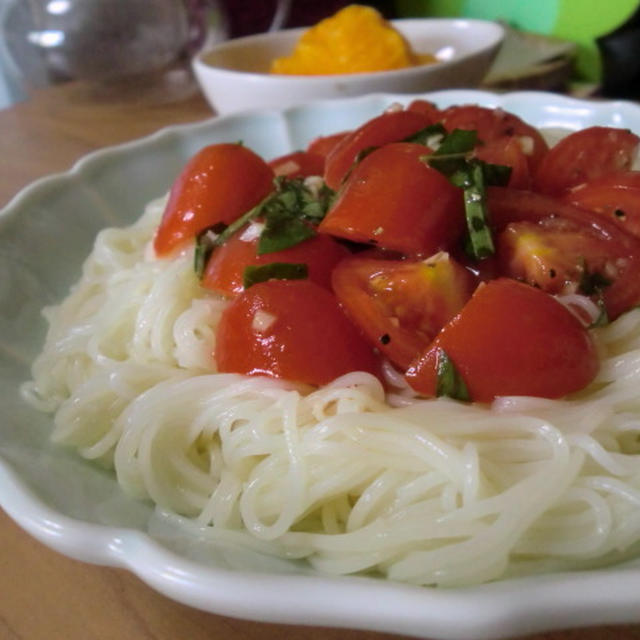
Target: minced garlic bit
<point x="314" y="184"/>
<point x="526" y="144"/>
<point x="441" y="256"/>
<point x="262" y="320"/>
<point x="252" y="232"/>
<point x="394" y="107"/>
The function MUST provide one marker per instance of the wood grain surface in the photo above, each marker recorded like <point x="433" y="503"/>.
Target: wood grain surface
<point x="46" y="596"/>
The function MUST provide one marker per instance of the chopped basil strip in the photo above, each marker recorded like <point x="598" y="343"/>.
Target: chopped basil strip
<point x="458" y="141"/>
<point x="496" y="175"/>
<point x="274" y="270"/>
<point x="449" y="382"/>
<point x="428" y="133"/>
<point x="283" y="230"/>
<point x="205" y="243"/>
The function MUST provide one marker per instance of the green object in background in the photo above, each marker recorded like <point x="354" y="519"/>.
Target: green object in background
<point x="580" y="21"/>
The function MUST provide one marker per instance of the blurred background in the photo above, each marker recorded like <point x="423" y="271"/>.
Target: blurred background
<point x="578" y="46"/>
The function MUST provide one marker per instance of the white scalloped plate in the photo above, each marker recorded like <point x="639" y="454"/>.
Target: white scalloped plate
<point x="77" y="508"/>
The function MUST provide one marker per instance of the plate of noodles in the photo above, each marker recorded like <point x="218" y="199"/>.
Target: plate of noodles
<point x="250" y="498"/>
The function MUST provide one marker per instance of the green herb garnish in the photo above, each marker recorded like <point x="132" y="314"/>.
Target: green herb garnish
<point x="425" y="135"/>
<point x="449" y="382"/>
<point x="274" y="270"/>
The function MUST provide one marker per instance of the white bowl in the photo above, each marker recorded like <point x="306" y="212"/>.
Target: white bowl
<point x="234" y="75"/>
<point x="78" y="509"/>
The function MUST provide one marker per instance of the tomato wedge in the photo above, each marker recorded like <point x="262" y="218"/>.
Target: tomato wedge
<point x="510" y="339"/>
<point x="495" y="124"/>
<point x="623" y="250"/>
<point x="426" y="108"/>
<point x="615" y="196"/>
<point x="225" y="269"/>
<point x="507" y="151"/>
<point x="219" y="184"/>
<point x="292" y="329"/>
<point x="323" y="145"/>
<point x="394" y="200"/>
<point x="401" y="305"/>
<point x="299" y="164"/>
<point x="391" y="126"/>
<point x="585" y="155"/>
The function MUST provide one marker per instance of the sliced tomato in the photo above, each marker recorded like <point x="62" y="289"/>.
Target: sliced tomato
<point x="299" y="164"/>
<point x="323" y="145"/>
<point x="394" y="200"/>
<point x="510" y="339"/>
<point x="585" y="155"/>
<point x="219" y="184"/>
<point x="492" y="124"/>
<point x="401" y="305"/>
<point x="391" y="126"/>
<point x="225" y="269"/>
<point x="292" y="329"/>
<point x="615" y="196"/>
<point x="507" y="151"/>
<point x="622" y="249"/>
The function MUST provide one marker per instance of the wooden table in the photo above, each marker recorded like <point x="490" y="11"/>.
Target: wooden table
<point x="43" y="595"/>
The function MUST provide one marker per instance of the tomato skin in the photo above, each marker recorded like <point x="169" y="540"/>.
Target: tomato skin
<point x="583" y="156"/>
<point x="300" y="334"/>
<point x="495" y="124"/>
<point x="219" y="184"/>
<point x="225" y="269"/>
<point x="401" y="305"/>
<point x="615" y="196"/>
<point x="394" y="200"/>
<point x="511" y="339"/>
<point x="426" y="108"/>
<point x="512" y="205"/>
<point x="299" y="164"/>
<point x="391" y="126"/>
<point x="323" y="145"/>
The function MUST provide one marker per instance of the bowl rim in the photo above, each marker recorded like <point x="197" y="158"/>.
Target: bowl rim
<point x="496" y="35"/>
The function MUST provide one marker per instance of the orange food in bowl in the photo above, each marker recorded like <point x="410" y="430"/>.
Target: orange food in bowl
<point x="357" y="39"/>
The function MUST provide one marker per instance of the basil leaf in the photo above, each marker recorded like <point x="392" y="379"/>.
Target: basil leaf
<point x="458" y="141"/>
<point x="480" y="240"/>
<point x="449" y="382"/>
<point x="253" y="274"/>
<point x="496" y="175"/>
<point x="282" y="230"/>
<point x="424" y="135"/>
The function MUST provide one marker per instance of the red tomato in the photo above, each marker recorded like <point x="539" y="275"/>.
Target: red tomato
<point x="225" y="269"/>
<point x="492" y="124"/>
<point x="511" y="339"/>
<point x="292" y="329"/>
<point x="426" y="108"/>
<point x="585" y="155"/>
<point x="391" y="126"/>
<point x="623" y="250"/>
<point x="298" y="164"/>
<point x="395" y="201"/>
<point x="400" y="305"/>
<point x="554" y="255"/>
<point x="219" y="184"/>
<point x="616" y="196"/>
<point x="507" y="151"/>
<point x="323" y="145"/>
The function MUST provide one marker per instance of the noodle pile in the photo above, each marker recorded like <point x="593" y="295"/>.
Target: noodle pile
<point x="429" y="492"/>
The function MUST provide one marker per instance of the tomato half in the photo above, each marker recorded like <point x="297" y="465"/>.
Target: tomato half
<point x="401" y="305"/>
<point x="299" y="164"/>
<point x="426" y="108"/>
<point x="615" y="196"/>
<point x="585" y="155"/>
<point x="394" y="200"/>
<point x="622" y="249"/>
<point x="511" y="339"/>
<point x="219" y="184"/>
<point x="292" y="329"/>
<point x="225" y="269"/>
<point x="493" y="124"/>
<point x="391" y="126"/>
